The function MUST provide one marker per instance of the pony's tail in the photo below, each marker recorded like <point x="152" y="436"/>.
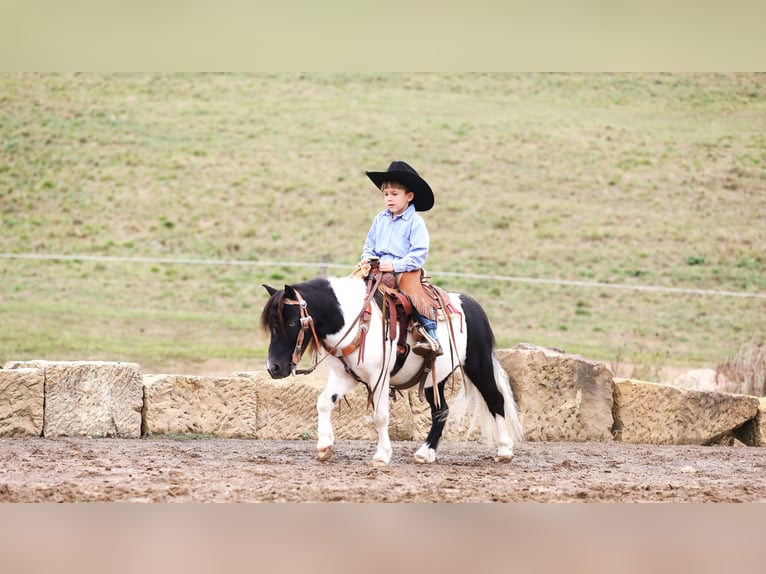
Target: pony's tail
<point x="469" y="400"/>
<point x="512" y="419"/>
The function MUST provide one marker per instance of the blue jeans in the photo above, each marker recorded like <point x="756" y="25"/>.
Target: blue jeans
<point x="428" y="324"/>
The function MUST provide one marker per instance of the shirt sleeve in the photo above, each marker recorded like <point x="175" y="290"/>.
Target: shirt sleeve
<point x="369" y="243"/>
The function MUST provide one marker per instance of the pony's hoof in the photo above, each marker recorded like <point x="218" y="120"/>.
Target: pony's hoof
<point x="425" y="455"/>
<point x="379" y="463"/>
<point x="504" y="456"/>
<point x="324" y="453"/>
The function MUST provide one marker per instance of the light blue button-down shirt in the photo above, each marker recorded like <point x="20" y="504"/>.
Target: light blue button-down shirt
<point x="403" y="240"/>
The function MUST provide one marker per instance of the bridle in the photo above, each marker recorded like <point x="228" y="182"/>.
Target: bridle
<point x="307" y="323"/>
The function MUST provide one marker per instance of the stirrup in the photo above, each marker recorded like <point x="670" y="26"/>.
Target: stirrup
<point x="427" y="346"/>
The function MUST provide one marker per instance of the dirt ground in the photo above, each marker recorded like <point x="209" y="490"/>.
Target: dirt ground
<point x="234" y="470"/>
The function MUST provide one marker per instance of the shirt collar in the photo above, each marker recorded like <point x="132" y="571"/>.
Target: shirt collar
<point x="407" y="212"/>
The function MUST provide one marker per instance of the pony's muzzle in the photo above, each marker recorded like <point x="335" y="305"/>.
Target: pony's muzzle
<point x="277" y="370"/>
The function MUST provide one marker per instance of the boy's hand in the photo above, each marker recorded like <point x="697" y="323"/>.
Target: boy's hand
<point x="387" y="266"/>
<point x="362" y="269"/>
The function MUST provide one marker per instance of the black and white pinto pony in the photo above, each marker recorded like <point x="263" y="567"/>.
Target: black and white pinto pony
<point x="332" y="306"/>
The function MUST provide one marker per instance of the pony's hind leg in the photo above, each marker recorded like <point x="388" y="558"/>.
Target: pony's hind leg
<point x="497" y="411"/>
<point x="427" y="452"/>
<point x="488" y="377"/>
<point x="336" y="389"/>
<point x="504" y="441"/>
<point x="508" y="423"/>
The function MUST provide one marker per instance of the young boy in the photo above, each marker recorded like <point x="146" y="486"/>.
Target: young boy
<point x="399" y="238"/>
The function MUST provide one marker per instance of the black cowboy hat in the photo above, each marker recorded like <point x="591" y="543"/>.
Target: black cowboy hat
<point x="403" y="173"/>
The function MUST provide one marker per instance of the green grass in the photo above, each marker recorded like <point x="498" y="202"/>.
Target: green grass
<point x="634" y="179"/>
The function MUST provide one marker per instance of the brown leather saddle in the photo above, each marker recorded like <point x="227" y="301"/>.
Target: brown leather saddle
<point x="397" y="295"/>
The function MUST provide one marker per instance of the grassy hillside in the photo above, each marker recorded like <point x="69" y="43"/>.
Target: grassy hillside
<point x="629" y="179"/>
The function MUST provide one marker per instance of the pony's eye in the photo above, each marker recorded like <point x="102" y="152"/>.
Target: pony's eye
<point x="292" y="323"/>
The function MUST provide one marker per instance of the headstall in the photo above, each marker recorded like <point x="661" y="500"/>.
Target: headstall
<point x="307" y="322"/>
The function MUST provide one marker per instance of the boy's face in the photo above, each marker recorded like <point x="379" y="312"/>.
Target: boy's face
<point x="396" y="197"/>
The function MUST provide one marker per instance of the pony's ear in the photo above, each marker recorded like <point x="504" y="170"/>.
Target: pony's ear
<point x="270" y="289"/>
<point x="290" y="292"/>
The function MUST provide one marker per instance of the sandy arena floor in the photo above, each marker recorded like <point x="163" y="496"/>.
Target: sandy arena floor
<point x="233" y="470"/>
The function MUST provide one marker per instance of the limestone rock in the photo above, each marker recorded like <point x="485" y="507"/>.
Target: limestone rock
<point x="287" y="410"/>
<point x="753" y="433"/>
<point x="760" y="424"/>
<point x="90" y="398"/>
<point x="654" y="413"/>
<point x="220" y="406"/>
<point x="559" y="396"/>
<point x="21" y="402"/>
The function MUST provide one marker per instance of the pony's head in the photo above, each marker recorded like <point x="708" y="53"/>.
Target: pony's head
<point x="282" y="322"/>
<point x="296" y="318"/>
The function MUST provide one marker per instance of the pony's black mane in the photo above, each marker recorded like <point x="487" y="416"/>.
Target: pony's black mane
<point x="271" y="316"/>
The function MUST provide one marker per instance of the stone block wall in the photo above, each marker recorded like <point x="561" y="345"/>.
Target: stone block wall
<point x="21" y="402"/>
<point x="664" y="414"/>
<point x="85" y="398"/>
<point x="560" y="397"/>
<point x="220" y="406"/>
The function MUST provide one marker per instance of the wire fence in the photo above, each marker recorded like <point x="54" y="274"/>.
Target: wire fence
<point x="325" y="266"/>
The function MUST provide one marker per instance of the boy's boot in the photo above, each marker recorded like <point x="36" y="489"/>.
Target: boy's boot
<point x="428" y="346"/>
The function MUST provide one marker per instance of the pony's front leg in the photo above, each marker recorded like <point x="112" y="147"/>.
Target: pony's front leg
<point x="336" y="389"/>
<point x="381" y="418"/>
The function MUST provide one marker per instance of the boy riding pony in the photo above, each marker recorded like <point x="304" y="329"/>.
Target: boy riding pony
<point x="399" y="239"/>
